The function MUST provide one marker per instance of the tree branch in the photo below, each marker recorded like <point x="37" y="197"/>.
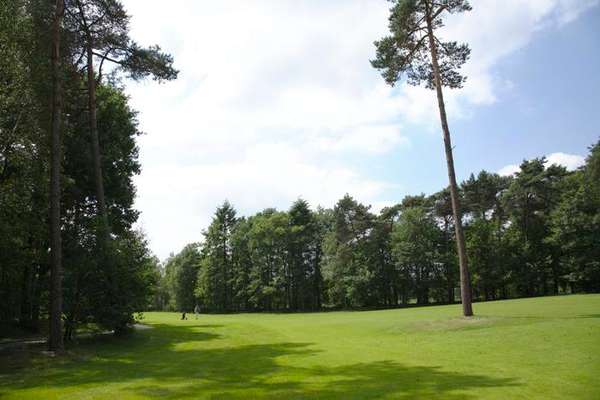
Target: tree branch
<point x="438" y="12"/>
<point x="442" y="45"/>
<point x="100" y="18"/>
<point x="80" y="57"/>
<point x="83" y="20"/>
<point x="104" y="57"/>
<point x="414" y="49"/>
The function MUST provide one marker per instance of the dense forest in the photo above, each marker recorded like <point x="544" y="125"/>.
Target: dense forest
<point x="69" y="252"/>
<point x="535" y="233"/>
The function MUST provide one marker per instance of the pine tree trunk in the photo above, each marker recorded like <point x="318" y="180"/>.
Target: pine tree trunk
<point x="97" y="159"/>
<point x="465" y="282"/>
<point x="55" y="339"/>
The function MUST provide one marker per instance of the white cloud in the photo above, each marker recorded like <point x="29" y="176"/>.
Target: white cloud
<point x="570" y="161"/>
<point x="276" y="99"/>
<point x="509" y="170"/>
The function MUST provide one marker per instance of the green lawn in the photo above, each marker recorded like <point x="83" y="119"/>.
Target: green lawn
<point x="543" y="348"/>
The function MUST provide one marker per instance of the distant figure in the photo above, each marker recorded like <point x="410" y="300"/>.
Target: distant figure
<point x="183" y="316"/>
<point x="197" y="310"/>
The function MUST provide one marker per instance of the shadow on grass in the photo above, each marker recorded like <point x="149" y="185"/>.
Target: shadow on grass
<point x="151" y="364"/>
<point x="585" y="316"/>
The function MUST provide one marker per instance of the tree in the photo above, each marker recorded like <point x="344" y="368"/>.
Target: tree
<point x="55" y="341"/>
<point x="25" y="134"/>
<point x="242" y="264"/>
<point x="575" y="226"/>
<point x="442" y="212"/>
<point x="413" y="50"/>
<point x="270" y="276"/>
<point x="349" y="257"/>
<point x="101" y="29"/>
<point x="304" y="257"/>
<point x="47" y="190"/>
<point x="214" y="286"/>
<point x="485" y="244"/>
<point x="182" y="272"/>
<point x="416" y="242"/>
<point x="529" y="202"/>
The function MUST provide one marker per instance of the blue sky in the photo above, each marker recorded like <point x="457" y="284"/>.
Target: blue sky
<point x="553" y="106"/>
<point x="276" y="100"/>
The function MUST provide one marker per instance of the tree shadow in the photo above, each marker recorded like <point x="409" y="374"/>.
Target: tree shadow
<point x="165" y="363"/>
<point x="587" y="316"/>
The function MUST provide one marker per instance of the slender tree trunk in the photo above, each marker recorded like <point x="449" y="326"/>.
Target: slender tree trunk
<point x="93" y="121"/>
<point x="55" y="339"/>
<point x="465" y="282"/>
<point x="25" y="311"/>
<point x="35" y="300"/>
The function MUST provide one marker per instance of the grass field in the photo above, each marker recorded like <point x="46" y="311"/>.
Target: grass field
<point x="542" y="348"/>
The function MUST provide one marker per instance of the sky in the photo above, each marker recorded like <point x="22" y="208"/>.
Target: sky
<point x="276" y="100"/>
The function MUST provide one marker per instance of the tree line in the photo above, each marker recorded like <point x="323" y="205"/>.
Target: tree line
<point x="69" y="254"/>
<point x="532" y="234"/>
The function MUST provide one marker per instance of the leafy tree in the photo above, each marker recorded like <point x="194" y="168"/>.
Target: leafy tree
<point x="485" y="245"/>
<point x="304" y="250"/>
<point x="128" y="289"/>
<point x="100" y="28"/>
<point x="386" y="284"/>
<point x="55" y="336"/>
<point x="89" y="259"/>
<point x="413" y="50"/>
<point x="270" y="271"/>
<point x="529" y="202"/>
<point x="214" y="288"/>
<point x="347" y="264"/>
<point x="182" y="272"/>
<point x="24" y="162"/>
<point x="44" y="139"/>
<point x="441" y="209"/>
<point x="575" y="226"/>
<point x="483" y="194"/>
<point x="242" y="264"/>
<point x="416" y="242"/>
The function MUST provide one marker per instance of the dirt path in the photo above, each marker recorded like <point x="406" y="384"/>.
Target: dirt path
<point x="22" y="343"/>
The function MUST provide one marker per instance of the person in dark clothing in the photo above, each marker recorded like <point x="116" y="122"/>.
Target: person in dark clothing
<point x="183" y="316"/>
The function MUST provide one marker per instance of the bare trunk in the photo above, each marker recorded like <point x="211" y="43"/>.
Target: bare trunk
<point x="97" y="158"/>
<point x="465" y="281"/>
<point x="55" y="339"/>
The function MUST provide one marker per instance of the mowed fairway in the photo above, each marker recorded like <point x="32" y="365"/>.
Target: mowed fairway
<point x="543" y="348"/>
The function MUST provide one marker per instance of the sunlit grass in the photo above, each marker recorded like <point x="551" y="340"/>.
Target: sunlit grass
<point x="545" y="348"/>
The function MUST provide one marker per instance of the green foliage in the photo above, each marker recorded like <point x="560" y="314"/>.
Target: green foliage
<point x="104" y="283"/>
<point x="270" y="273"/>
<point x="348" y="268"/>
<point x="270" y="261"/>
<point x="103" y="25"/>
<point x="532" y="234"/>
<point x="530" y="200"/>
<point x="406" y="51"/>
<point x="416" y="245"/>
<point x="575" y="226"/>
<point x="23" y="169"/>
<point x="181" y="272"/>
<point x="215" y="279"/>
